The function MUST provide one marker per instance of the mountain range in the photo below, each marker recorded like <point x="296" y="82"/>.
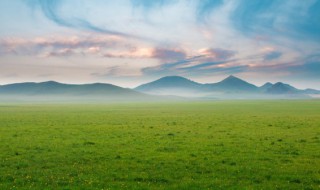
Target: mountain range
<point x="230" y="87"/>
<point x="166" y="87"/>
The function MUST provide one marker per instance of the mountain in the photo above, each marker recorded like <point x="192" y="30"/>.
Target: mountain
<point x="166" y="88"/>
<point x="180" y="86"/>
<point x="265" y="87"/>
<point x="311" y="91"/>
<point x="52" y="89"/>
<point x="171" y="85"/>
<point x="229" y="88"/>
<point x="232" y="84"/>
<point x="281" y="88"/>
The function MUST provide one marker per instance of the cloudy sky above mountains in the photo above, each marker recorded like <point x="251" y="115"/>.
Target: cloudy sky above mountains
<point x="129" y="42"/>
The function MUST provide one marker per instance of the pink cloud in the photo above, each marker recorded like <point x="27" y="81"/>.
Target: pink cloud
<point x="94" y="50"/>
<point x="60" y="53"/>
<point x="217" y="54"/>
<point x="164" y="54"/>
<point x="59" y="45"/>
<point x="135" y="53"/>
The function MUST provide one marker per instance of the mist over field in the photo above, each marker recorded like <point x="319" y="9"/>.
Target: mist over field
<point x="170" y="88"/>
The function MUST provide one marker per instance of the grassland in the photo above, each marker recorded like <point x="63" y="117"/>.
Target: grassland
<point x="196" y="145"/>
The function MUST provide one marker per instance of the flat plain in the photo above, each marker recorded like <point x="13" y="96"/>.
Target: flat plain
<point x="271" y="144"/>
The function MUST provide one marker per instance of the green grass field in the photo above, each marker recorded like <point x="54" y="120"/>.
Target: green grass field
<point x="196" y="145"/>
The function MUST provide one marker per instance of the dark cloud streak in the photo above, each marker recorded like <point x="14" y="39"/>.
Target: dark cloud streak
<point x="168" y="54"/>
<point x="272" y="55"/>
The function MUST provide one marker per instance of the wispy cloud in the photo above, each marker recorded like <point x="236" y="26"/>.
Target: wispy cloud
<point x="290" y="19"/>
<point x="205" y="59"/>
<point x="102" y="46"/>
<point x="60" y="45"/>
<point x="117" y="71"/>
<point x="205" y="7"/>
<point x="147" y="4"/>
<point x="52" y="10"/>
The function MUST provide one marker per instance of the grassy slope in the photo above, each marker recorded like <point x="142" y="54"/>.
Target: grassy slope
<point x="215" y="145"/>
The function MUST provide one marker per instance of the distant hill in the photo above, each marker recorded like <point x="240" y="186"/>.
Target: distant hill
<point x="52" y="89"/>
<point x="180" y="86"/>
<point x="281" y="88"/>
<point x="166" y="88"/>
<point x="265" y="87"/>
<point x="229" y="88"/>
<point x="232" y="84"/>
<point x="311" y="91"/>
<point x="171" y="85"/>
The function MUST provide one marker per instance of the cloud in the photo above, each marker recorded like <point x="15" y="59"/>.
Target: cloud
<point x="162" y="54"/>
<point x="307" y="68"/>
<point x="205" y="7"/>
<point x="289" y="19"/>
<point x="52" y="10"/>
<point x="208" y="59"/>
<point x="203" y="69"/>
<point x="133" y="53"/>
<point x="94" y="50"/>
<point x="60" y="53"/>
<point x="204" y="57"/>
<point x="168" y="54"/>
<point x="272" y="55"/>
<point x="102" y="46"/>
<point x="226" y="70"/>
<point x="117" y="71"/>
<point x="147" y="4"/>
<point x="217" y="54"/>
<point x="61" y="46"/>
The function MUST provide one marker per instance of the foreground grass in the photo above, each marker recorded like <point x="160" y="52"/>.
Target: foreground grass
<point x="203" y="145"/>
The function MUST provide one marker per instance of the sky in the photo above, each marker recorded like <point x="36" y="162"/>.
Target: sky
<point x="130" y="42"/>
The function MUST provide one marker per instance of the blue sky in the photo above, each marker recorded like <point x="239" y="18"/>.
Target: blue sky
<point x="129" y="42"/>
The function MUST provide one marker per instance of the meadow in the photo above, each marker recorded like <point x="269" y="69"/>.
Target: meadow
<point x="271" y="144"/>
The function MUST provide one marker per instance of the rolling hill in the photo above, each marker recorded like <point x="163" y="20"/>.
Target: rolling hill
<point x="55" y="90"/>
<point x="232" y="84"/>
<point x="265" y="87"/>
<point x="281" y="88"/>
<point x="172" y="85"/>
<point x="180" y="86"/>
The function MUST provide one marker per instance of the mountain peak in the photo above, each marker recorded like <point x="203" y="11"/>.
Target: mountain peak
<point x="172" y="78"/>
<point x="266" y="86"/>
<point x="232" y="79"/>
<point x="232" y="83"/>
<point x="174" y="84"/>
<point x="279" y="83"/>
<point x="282" y="88"/>
<point x="50" y="82"/>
